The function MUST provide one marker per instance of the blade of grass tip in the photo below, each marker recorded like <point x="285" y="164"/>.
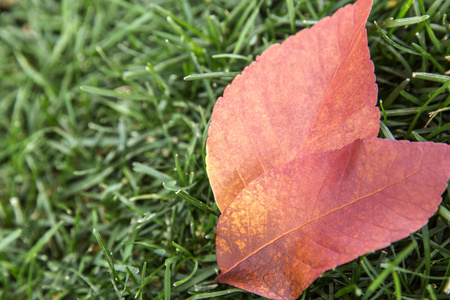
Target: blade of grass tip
<point x="232" y="56"/>
<point x="180" y="171"/>
<point x="182" y="281"/>
<point x="394" y="44"/>
<point x="214" y="30"/>
<point x="207" y="85"/>
<point x="171" y="186"/>
<point x="445" y="286"/>
<point x="381" y="259"/>
<point x="195" y="202"/>
<point x="182" y="249"/>
<point x="109" y="189"/>
<point x="447" y="27"/>
<point x="298" y="23"/>
<point x="211" y="75"/>
<point x="184" y="37"/>
<point x="444" y="213"/>
<point x="17" y="209"/>
<point x="152" y="275"/>
<point x="167" y="276"/>
<point x="431" y="293"/>
<point x="116" y="288"/>
<point x="191" y="178"/>
<point x="431" y="77"/>
<point x="392" y="23"/>
<point x="394" y="94"/>
<point x="383" y="112"/>
<point x="356" y="272"/>
<point x="131" y="179"/>
<point x="108" y="256"/>
<point x="394" y="71"/>
<point x="204" y="139"/>
<point x="215" y="294"/>
<point x="386" y="272"/>
<point x="343" y="276"/>
<point x="112" y="94"/>
<point x="387" y="133"/>
<point x="417" y="251"/>
<point x="349" y="289"/>
<point x="302" y="23"/>
<point x="139" y="292"/>
<point x="423" y="43"/>
<point x="167" y="13"/>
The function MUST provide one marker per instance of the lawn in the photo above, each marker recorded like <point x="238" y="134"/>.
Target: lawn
<point x="104" y="111"/>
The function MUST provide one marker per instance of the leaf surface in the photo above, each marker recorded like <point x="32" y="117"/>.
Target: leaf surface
<point x="295" y="166"/>
<point x="324" y="209"/>
<point x="294" y="99"/>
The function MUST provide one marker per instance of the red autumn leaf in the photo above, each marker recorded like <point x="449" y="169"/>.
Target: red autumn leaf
<point x="324" y="209"/>
<point x="296" y="169"/>
<point x="292" y="100"/>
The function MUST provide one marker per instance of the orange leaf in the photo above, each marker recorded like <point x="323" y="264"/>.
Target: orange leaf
<point x="301" y="180"/>
<point x="293" y="100"/>
<point x="324" y="209"/>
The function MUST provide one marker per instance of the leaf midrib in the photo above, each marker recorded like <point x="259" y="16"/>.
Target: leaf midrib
<point x="326" y="214"/>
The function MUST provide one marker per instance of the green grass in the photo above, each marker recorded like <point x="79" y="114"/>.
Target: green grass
<point x="98" y="130"/>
